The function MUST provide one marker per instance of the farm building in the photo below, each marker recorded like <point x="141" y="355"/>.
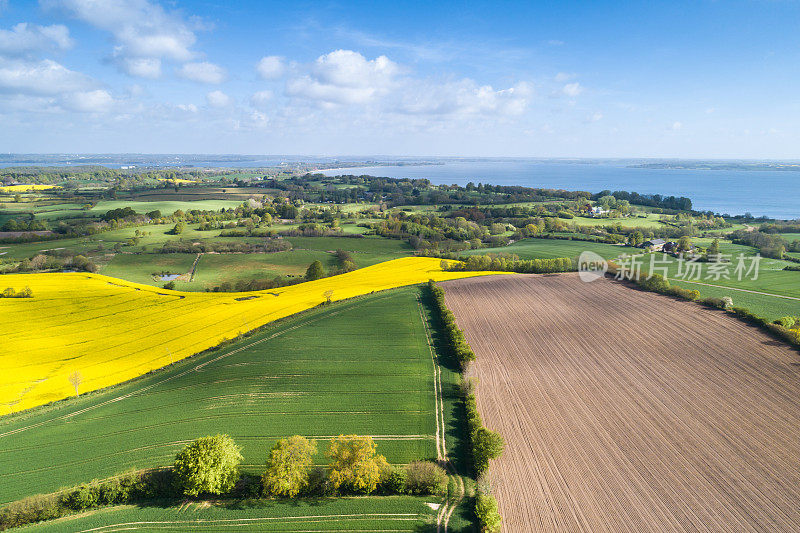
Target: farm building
<point x="654" y="245"/>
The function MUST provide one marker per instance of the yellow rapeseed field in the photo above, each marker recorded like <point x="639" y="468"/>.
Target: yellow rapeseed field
<point x="176" y="180"/>
<point x="110" y="330"/>
<point x="27" y="187"/>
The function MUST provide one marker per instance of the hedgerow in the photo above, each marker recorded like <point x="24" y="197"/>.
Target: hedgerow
<point x="485" y="443"/>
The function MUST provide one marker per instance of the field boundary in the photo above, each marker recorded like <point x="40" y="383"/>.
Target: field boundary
<point x="197" y="368"/>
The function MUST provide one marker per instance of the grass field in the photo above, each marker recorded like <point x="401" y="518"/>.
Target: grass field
<point x="213" y="269"/>
<point x="167" y="207"/>
<point x="781" y="288"/>
<point x="360" y="366"/>
<point x="549" y="248"/>
<point x="139" y="268"/>
<point x="112" y="330"/>
<point x="365" y="251"/>
<point x="388" y="513"/>
<point x="629" y="411"/>
<point x="650" y="221"/>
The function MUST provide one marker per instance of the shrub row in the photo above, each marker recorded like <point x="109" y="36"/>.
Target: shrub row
<point x="486" y="444"/>
<point x="657" y="283"/>
<point x="210" y="466"/>
<point x="128" y="488"/>
<point x="455" y="337"/>
<point x="511" y="264"/>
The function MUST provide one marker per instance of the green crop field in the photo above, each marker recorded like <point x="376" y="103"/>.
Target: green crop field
<point x="386" y="513"/>
<point x="781" y="288"/>
<point x="651" y="221"/>
<point x="362" y="366"/>
<point x="167" y="207"/>
<point x="548" y="248"/>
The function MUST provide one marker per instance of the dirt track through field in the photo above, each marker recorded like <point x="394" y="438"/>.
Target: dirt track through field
<point x="628" y="411"/>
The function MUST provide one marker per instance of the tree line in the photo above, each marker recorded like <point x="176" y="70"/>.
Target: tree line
<point x="485" y="444"/>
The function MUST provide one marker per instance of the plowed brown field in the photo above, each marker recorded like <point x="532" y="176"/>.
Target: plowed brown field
<point x="629" y="411"/>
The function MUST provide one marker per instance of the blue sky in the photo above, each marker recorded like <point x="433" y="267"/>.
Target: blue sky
<point x="540" y="79"/>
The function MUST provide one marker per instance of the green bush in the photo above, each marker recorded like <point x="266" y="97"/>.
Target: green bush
<point x="395" y="481"/>
<point x="84" y="497"/>
<point x="717" y="303"/>
<point x="486" y="445"/>
<point x="208" y="465"/>
<point x="425" y="477"/>
<point x="488" y="513"/>
<point x="686" y="294"/>
<point x="654" y="282"/>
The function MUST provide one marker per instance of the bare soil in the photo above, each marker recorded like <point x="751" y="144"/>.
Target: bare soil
<point x="628" y="411"/>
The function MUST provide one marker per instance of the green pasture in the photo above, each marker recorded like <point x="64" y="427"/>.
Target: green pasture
<point x="362" y="366"/>
<point x="167" y="207"/>
<point x="214" y="269"/>
<point x="548" y="248"/>
<point x="650" y="221"/>
<point x="771" y="280"/>
<point x="385" y="513"/>
<point x="139" y="268"/>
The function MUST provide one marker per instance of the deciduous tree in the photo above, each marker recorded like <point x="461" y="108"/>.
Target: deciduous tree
<point x="288" y="466"/>
<point x="355" y="463"/>
<point x="208" y="465"/>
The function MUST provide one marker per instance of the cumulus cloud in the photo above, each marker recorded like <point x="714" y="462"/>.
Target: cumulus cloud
<point x="39" y="77"/>
<point x="271" y="67"/>
<point x="202" y="72"/>
<point x="572" y="89"/>
<point x="676" y="126"/>
<point x="261" y="99"/>
<point x="24" y="38"/>
<point x="218" y="99"/>
<point x="141" y="30"/>
<point x="97" y="101"/>
<point x="344" y="77"/>
<point x="463" y="99"/>
<point x="143" y="67"/>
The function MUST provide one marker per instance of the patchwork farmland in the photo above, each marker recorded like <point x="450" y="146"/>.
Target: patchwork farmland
<point x="627" y="411"/>
<point x="361" y="366"/>
<point x="111" y="331"/>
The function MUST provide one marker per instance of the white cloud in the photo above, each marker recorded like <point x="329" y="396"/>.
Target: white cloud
<point x="24" y="38"/>
<point x="572" y="89"/>
<point x="203" y="72"/>
<point x="141" y="29"/>
<point x="261" y="99"/>
<point x="344" y="77"/>
<point x="189" y="108"/>
<point x="555" y="42"/>
<point x="143" y="67"/>
<point x="271" y="67"/>
<point x="97" y="101"/>
<point x="676" y="126"/>
<point x="463" y="99"/>
<point x="561" y="77"/>
<point x="39" y="77"/>
<point x="218" y="99"/>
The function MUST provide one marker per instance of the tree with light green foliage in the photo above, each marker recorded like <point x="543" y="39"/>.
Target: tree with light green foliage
<point x="486" y="445"/>
<point x="209" y="465"/>
<point x="488" y="513"/>
<point x="288" y="466"/>
<point x="355" y="463"/>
